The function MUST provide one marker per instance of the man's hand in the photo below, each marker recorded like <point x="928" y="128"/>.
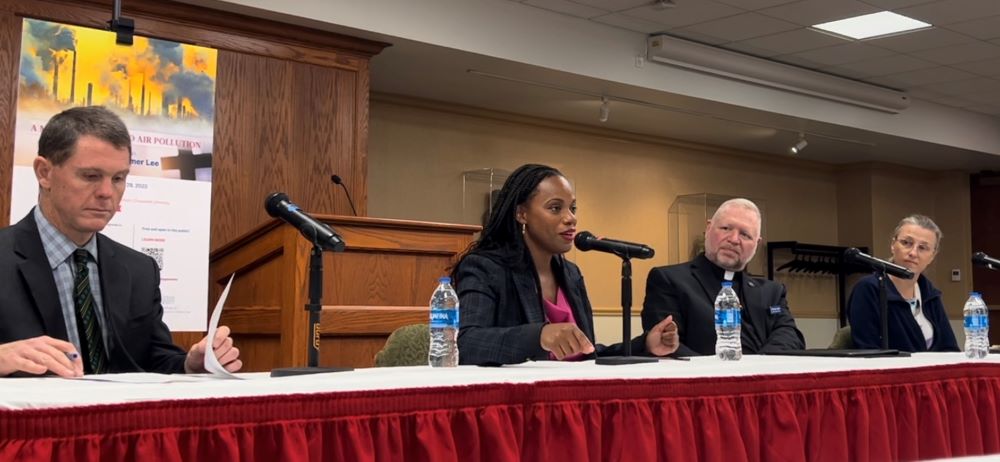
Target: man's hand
<point x="225" y="352"/>
<point x="565" y="339"/>
<point x="663" y="338"/>
<point x="39" y="355"/>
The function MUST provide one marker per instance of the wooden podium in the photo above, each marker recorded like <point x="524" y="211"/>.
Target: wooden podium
<point x="383" y="280"/>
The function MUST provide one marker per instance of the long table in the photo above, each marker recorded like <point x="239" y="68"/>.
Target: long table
<point x="758" y="409"/>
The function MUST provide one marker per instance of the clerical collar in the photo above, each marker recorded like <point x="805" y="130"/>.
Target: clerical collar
<point x="723" y="274"/>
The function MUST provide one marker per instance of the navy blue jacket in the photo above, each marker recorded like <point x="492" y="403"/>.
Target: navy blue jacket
<point x="904" y="332"/>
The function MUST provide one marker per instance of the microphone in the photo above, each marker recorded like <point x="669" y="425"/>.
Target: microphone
<point x="586" y="241"/>
<point x="278" y="206"/>
<point x="981" y="259"/>
<point x="337" y="180"/>
<point x="855" y="255"/>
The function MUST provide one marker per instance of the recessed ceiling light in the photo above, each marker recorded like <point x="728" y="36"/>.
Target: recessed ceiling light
<point x="872" y="25"/>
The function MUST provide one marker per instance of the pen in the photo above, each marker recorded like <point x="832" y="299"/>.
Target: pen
<point x="72" y="355"/>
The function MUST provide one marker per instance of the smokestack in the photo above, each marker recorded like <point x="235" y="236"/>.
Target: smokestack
<point x="142" y="103"/>
<point x="90" y="94"/>
<point x="55" y="79"/>
<point x="72" y="82"/>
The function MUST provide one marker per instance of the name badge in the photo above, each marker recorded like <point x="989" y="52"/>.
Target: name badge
<point x="776" y="309"/>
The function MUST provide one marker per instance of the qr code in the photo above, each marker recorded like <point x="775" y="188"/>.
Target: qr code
<point x="156" y="253"/>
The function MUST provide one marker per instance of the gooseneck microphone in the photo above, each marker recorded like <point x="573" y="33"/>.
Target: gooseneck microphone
<point x="321" y="234"/>
<point x="586" y="241"/>
<point x="986" y="261"/>
<point x="337" y="180"/>
<point x="855" y="255"/>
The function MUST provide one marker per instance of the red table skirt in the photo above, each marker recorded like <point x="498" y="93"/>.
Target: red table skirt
<point x="909" y="414"/>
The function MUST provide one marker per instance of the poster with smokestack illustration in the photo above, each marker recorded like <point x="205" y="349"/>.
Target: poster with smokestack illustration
<point x="165" y="93"/>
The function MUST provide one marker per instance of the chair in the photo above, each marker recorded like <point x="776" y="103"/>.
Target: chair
<point x="406" y="346"/>
<point x="842" y="339"/>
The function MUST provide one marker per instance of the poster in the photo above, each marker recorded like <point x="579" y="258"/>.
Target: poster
<point x="165" y="93"/>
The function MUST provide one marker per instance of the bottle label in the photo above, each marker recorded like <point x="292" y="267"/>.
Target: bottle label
<point x="727" y="318"/>
<point x="976" y="322"/>
<point x="442" y="318"/>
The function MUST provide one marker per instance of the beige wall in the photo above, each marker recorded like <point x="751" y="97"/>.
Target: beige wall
<point x="626" y="184"/>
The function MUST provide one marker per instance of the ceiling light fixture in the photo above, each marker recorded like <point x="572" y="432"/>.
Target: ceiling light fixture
<point x="663" y="4"/>
<point x="605" y="109"/>
<point x="738" y="66"/>
<point x="872" y="25"/>
<point x="800" y="145"/>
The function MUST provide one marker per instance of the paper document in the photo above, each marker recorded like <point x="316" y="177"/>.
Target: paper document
<point x="211" y="362"/>
<point x="144" y="377"/>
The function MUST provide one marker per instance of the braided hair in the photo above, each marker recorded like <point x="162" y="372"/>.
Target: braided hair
<point x="501" y="238"/>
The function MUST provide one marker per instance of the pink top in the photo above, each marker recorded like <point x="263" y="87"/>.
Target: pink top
<point x="560" y="311"/>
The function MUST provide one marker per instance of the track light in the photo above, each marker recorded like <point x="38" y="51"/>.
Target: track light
<point x="605" y="109"/>
<point x="800" y="145"/>
<point x="663" y="4"/>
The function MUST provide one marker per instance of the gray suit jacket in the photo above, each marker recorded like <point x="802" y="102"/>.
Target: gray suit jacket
<point x="130" y="288"/>
<point x="688" y="290"/>
<point x="501" y="312"/>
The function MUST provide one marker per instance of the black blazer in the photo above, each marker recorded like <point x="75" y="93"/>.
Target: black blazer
<point x="130" y="290"/>
<point x="501" y="314"/>
<point x="688" y="290"/>
<point x="904" y="332"/>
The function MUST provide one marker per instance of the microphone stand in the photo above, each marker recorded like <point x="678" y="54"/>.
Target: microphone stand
<point x="883" y="305"/>
<point x="627" y="358"/>
<point x="314" y="307"/>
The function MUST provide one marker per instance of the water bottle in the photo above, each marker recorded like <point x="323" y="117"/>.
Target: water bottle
<point x="728" y="346"/>
<point x="443" y="350"/>
<point x="977" y="327"/>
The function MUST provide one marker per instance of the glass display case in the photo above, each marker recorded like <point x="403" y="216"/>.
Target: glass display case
<point x="686" y="227"/>
<point x="479" y="190"/>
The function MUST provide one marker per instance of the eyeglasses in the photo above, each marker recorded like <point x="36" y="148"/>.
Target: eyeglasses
<point x="908" y="244"/>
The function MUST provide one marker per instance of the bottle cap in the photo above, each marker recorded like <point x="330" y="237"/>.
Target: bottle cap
<point x="444" y="280"/>
<point x="975" y="294"/>
<point x="727" y="283"/>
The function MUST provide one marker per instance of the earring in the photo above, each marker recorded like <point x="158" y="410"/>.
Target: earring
<point x="524" y="227"/>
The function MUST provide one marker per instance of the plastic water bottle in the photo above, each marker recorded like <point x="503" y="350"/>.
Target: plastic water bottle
<point x="977" y="327"/>
<point x="728" y="346"/>
<point x="443" y="350"/>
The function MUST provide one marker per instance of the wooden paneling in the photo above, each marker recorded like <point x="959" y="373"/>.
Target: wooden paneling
<point x="383" y="280"/>
<point x="10" y="47"/>
<point x="984" y="198"/>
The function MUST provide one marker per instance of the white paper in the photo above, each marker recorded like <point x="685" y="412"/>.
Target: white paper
<point x="144" y="377"/>
<point x="211" y="362"/>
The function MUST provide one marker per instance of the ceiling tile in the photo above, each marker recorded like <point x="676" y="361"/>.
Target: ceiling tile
<point x="613" y="5"/>
<point x="741" y="27"/>
<point x="845" y="53"/>
<point x="567" y="7"/>
<point x="951" y="11"/>
<point x="686" y="12"/>
<point x="755" y="4"/>
<point x="793" y="41"/>
<point x="989" y="67"/>
<point x="883" y="66"/>
<point x="812" y="12"/>
<point x="961" y="53"/>
<point x="923" y="77"/>
<point x="933" y="37"/>
<point x="630" y="23"/>
<point x="895" y="4"/>
<point x="983" y="29"/>
<point x="974" y="86"/>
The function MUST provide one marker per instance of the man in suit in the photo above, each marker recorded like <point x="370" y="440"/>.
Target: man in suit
<point x="74" y="301"/>
<point x="687" y="291"/>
